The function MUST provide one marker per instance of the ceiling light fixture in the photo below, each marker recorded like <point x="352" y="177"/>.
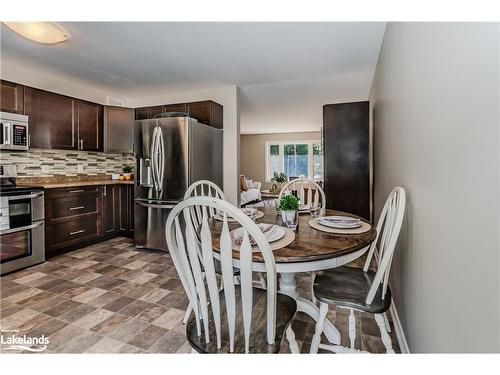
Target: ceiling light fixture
<point x="39" y="32"/>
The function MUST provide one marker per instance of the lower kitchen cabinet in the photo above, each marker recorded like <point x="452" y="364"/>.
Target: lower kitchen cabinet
<point x="78" y="216"/>
<point x="117" y="210"/>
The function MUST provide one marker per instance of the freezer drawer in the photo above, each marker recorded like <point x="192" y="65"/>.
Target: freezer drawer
<point x="149" y="223"/>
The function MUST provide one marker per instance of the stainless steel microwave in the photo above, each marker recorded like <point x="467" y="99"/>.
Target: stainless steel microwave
<point x="14" y="133"/>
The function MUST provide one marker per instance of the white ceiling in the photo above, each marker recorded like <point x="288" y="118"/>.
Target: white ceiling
<point x="137" y="58"/>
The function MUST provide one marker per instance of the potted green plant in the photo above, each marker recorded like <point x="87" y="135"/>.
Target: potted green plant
<point x="127" y="171"/>
<point x="279" y="178"/>
<point x="288" y="206"/>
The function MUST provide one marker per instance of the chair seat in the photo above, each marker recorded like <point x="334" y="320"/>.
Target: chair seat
<point x="348" y="286"/>
<point x="286" y="307"/>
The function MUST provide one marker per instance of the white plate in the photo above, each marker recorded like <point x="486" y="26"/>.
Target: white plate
<point x="273" y="235"/>
<point x="341" y="222"/>
<point x="254" y="214"/>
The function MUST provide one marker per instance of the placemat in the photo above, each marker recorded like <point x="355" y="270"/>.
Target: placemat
<point x="365" y="227"/>
<point x="218" y="217"/>
<point x="286" y="240"/>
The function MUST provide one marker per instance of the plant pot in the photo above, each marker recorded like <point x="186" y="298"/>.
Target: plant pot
<point x="127" y="176"/>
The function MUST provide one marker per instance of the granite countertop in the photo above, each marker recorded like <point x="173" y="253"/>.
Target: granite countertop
<point x="55" y="182"/>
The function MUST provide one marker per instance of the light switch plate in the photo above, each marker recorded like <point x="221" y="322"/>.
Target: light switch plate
<point x="80" y="168"/>
<point x="45" y="169"/>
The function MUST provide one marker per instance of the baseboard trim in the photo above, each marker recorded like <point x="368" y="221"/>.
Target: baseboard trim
<point x="403" y="344"/>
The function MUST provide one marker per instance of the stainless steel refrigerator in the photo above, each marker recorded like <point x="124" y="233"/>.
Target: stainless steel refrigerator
<point x="171" y="153"/>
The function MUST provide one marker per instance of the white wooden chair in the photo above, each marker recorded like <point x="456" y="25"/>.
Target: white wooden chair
<point x="315" y="193"/>
<point x="243" y="319"/>
<point x="203" y="188"/>
<point x="362" y="289"/>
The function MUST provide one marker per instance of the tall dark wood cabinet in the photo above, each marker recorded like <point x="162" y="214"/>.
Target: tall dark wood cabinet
<point x="11" y="97"/>
<point x="52" y="119"/>
<point x="346" y="141"/>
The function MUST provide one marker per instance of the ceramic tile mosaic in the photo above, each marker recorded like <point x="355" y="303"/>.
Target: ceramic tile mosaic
<point x="62" y="162"/>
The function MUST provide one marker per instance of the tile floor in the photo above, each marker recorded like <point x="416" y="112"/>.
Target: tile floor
<point x="112" y="298"/>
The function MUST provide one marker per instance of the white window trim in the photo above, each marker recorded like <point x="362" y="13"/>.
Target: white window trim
<point x="281" y="144"/>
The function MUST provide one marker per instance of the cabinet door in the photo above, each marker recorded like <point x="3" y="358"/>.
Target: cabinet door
<point x="131" y="205"/>
<point x="11" y="97"/>
<point x="142" y="113"/>
<point x="155" y="111"/>
<point x="118" y="129"/>
<point x="174" y="108"/>
<point x="124" y="212"/>
<point x="52" y="119"/>
<point x="110" y="209"/>
<point x="206" y="112"/>
<point x="199" y="111"/>
<point x="90" y="128"/>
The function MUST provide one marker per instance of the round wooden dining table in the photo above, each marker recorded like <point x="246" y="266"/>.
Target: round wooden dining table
<point x="311" y="250"/>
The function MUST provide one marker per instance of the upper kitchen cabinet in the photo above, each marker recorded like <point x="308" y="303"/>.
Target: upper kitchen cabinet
<point x="118" y="129"/>
<point x="11" y="97"/>
<point x="181" y="107"/>
<point x="207" y="112"/>
<point x="142" y="113"/>
<point x="90" y="126"/>
<point x="155" y="111"/>
<point x="52" y="119"/>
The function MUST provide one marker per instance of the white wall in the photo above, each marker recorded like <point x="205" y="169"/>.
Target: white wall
<point x="228" y="97"/>
<point x="436" y="133"/>
<point x="23" y="72"/>
<point x="297" y="106"/>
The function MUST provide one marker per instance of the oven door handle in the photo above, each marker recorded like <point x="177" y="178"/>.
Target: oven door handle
<point x="25" y="196"/>
<point x="20" y="229"/>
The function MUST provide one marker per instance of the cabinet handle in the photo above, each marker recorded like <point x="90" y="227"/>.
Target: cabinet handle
<point x="76" y="191"/>
<point x="29" y="140"/>
<point x="77" y="232"/>
<point x="104" y="191"/>
<point x="76" y="208"/>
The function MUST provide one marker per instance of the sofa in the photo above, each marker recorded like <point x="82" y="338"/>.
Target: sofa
<point x="249" y="191"/>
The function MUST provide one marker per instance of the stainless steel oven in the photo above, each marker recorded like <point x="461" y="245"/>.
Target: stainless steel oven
<point x="22" y="226"/>
<point x="13" y="132"/>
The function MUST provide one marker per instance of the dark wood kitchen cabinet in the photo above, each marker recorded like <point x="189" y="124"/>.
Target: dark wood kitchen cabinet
<point x="72" y="218"/>
<point x="11" y="97"/>
<point x="126" y="210"/>
<point x="142" y="113"/>
<point x="90" y="126"/>
<point x="118" y="129"/>
<point x="81" y="215"/>
<point x="52" y="119"/>
<point x="207" y="112"/>
<point x="110" y="209"/>
<point x="346" y="143"/>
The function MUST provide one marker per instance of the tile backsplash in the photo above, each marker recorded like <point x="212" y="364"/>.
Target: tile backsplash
<point x="62" y="162"/>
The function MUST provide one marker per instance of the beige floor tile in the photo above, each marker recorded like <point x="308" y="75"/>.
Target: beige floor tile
<point x="18" y="297"/>
<point x="155" y="295"/>
<point x="93" y="319"/>
<point x="105" y="345"/>
<point x="89" y="295"/>
<point x="169" y="319"/>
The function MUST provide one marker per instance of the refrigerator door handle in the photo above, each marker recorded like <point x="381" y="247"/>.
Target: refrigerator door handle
<point x="161" y="156"/>
<point x="153" y="159"/>
<point x="154" y="205"/>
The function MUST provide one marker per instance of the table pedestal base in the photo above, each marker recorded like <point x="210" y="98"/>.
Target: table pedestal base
<point x="288" y="285"/>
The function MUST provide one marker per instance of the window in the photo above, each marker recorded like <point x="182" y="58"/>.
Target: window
<point x="295" y="159"/>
